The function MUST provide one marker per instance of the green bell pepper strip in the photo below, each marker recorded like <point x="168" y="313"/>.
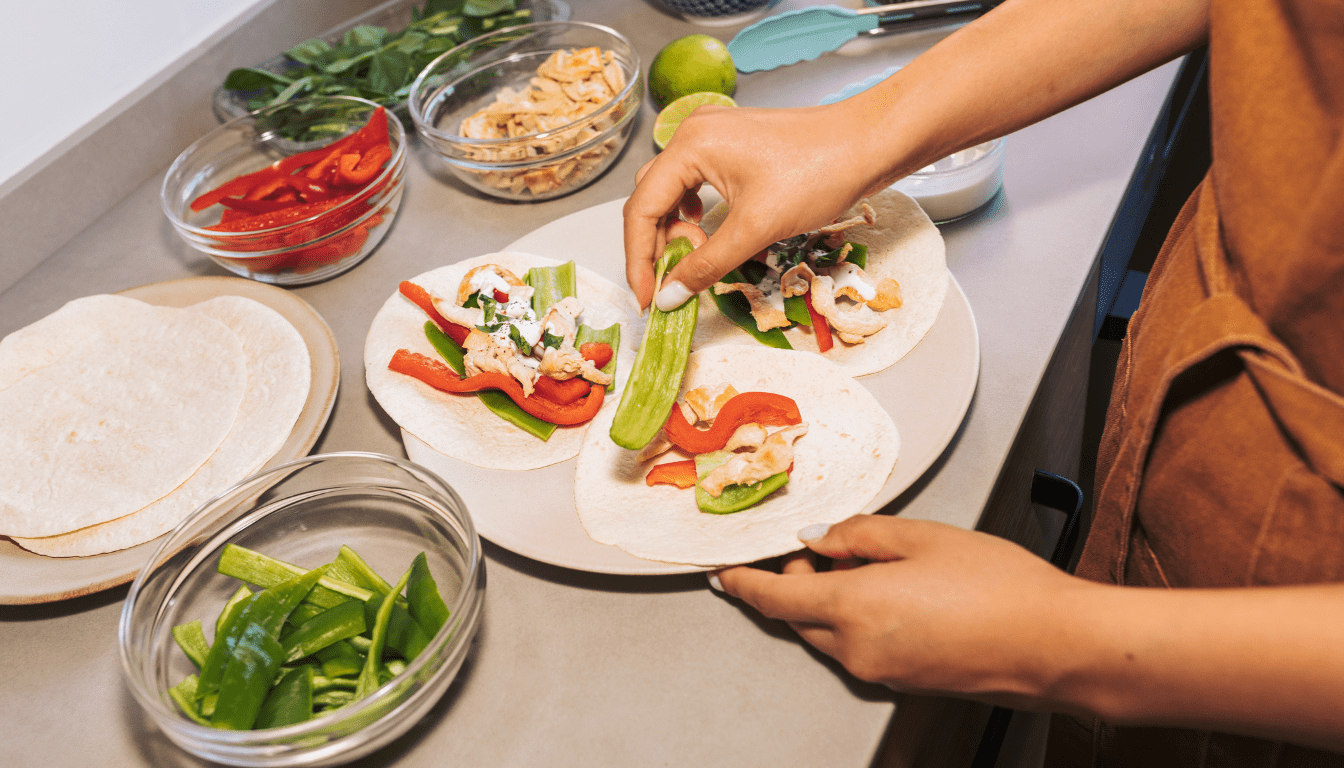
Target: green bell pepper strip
<point x="659" y="366"/>
<point x="795" y="308"/>
<point x="340" y="659"/>
<point x="735" y="307"/>
<point x="858" y="256"/>
<point x="332" y="699"/>
<point x="240" y="595"/>
<point x="184" y="693"/>
<point x="611" y="336"/>
<point x="322" y="684"/>
<point x="290" y="701"/>
<point x="349" y="566"/>
<point x="422" y="595"/>
<point x="551" y="284"/>
<point x="191" y="639"/>
<point x="253" y="662"/>
<point x="339" y="622"/>
<point x="368" y="677"/>
<point x="404" y="634"/>
<point x="268" y="610"/>
<point x="734" y="498"/>
<point x="264" y="571"/>
<point x="499" y="403"/>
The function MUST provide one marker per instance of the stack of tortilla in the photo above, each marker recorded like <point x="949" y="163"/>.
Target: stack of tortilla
<point x="123" y="417"/>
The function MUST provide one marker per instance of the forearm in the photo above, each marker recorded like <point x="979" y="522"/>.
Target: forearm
<point x="1266" y="661"/>
<point x="1020" y="63"/>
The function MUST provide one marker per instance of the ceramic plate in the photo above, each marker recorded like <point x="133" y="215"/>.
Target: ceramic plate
<point x="31" y="578"/>
<point x="927" y="394"/>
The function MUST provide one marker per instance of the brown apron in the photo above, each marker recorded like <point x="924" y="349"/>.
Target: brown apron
<point x="1222" y="463"/>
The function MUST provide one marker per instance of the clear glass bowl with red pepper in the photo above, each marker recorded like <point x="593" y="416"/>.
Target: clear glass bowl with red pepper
<point x="385" y="509"/>
<point x="557" y="136"/>
<point x="290" y="194"/>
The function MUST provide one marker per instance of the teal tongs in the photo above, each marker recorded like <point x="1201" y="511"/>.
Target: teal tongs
<point x="806" y="33"/>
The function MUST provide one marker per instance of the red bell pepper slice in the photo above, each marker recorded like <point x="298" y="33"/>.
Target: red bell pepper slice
<point x="678" y="473"/>
<point x="598" y="352"/>
<point x="443" y="378"/>
<point x="562" y="391"/>
<point x="421" y="298"/>
<point x="288" y="215"/>
<point x="358" y="170"/>
<point x="746" y="408"/>
<point x="819" y="326"/>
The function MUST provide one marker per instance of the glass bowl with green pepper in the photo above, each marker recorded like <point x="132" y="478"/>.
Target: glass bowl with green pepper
<point x="307" y="616"/>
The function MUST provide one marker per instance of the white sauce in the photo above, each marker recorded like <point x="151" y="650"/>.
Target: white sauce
<point x="957" y="184"/>
<point x="847" y="275"/>
<point x="771" y="288"/>
<point x="488" y="280"/>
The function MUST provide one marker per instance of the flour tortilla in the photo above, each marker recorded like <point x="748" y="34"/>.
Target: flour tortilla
<point x="903" y="245"/>
<point x="110" y="404"/>
<point x="278" y="380"/>
<point x="458" y="426"/>
<point x="839" y="467"/>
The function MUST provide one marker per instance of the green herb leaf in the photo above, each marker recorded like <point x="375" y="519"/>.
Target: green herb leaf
<point x="253" y="80"/>
<point x="483" y="8"/>
<point x="551" y="341"/>
<point x="308" y="52"/>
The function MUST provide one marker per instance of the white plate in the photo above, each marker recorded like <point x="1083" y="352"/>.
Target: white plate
<point x="31" y="578"/>
<point x="926" y="393"/>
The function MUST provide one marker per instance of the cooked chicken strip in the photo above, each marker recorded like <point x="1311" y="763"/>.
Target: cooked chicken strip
<point x="747" y="436"/>
<point x="493" y="276"/>
<point x="850" y="325"/>
<point x="774" y="456"/>
<point x="888" y="295"/>
<point x="706" y="401"/>
<point x="485" y="353"/>
<point x="796" y="280"/>
<point x="766" y="316"/>
<point x="566" y="363"/>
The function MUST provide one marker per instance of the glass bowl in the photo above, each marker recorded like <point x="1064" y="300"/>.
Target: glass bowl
<point x="533" y="163"/>
<point x="959" y="184"/>
<point x="387" y="510"/>
<point x="296" y="251"/>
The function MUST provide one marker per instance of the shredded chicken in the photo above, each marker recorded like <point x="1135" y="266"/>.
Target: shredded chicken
<point x="561" y="317"/>
<point x="766" y="316"/>
<point x="486" y="354"/>
<point x="888" y="295"/>
<point x="746" y="436"/>
<point x="566" y="363"/>
<point x="855" y="273"/>
<point x="706" y="401"/>
<point x="549" y="114"/>
<point x="774" y="456"/>
<point x="796" y="280"/>
<point x="866" y="216"/>
<point x="467" y="317"/>
<point x="850" y="325"/>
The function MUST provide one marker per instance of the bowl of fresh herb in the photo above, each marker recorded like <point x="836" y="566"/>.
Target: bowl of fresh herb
<point x="307" y="616"/>
<point x="376" y="55"/>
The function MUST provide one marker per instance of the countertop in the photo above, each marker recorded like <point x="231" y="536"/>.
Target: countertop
<point x="569" y="667"/>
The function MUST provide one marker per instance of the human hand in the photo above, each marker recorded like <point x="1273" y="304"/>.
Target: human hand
<point x="934" y="609"/>
<point x="781" y="171"/>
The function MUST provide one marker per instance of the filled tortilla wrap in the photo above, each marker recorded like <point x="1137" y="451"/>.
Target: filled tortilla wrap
<point x="839" y="467"/>
<point x="459" y="426"/>
<point x="903" y="244"/>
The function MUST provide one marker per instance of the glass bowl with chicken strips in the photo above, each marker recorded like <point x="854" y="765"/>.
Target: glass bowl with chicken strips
<point x="530" y="112"/>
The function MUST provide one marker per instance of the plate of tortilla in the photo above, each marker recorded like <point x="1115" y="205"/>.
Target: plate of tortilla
<point x="139" y="406"/>
<point x="926" y="393"/>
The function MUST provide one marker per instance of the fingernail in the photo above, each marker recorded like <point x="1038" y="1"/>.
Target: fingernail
<point x="714" y="582"/>
<point x="813" y="532"/>
<point x="672" y="295"/>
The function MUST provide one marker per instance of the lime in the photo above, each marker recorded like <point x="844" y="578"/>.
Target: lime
<point x="689" y="65"/>
<point x="674" y="113"/>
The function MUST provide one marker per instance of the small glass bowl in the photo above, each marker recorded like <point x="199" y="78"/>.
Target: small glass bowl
<point x="307" y="251"/>
<point x="536" y="166"/>
<point x="387" y="510"/>
<point x="960" y="184"/>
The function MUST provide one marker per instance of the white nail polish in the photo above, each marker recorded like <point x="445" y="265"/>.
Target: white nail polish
<point x="813" y="532"/>
<point x="672" y="295"/>
<point x="714" y="582"/>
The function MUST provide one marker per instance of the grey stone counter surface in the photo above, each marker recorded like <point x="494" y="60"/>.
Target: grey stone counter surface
<point x="569" y="668"/>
